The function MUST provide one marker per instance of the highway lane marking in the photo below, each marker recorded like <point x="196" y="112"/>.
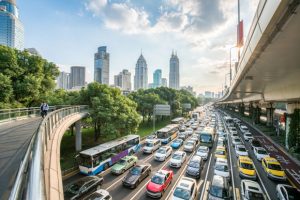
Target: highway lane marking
<point x="238" y="197"/>
<point x="206" y="190"/>
<point x="207" y="171"/>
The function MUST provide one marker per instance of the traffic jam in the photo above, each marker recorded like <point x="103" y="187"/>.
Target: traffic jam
<point x="211" y="156"/>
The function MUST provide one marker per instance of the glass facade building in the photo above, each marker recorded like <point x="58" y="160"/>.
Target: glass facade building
<point x="157" y="81"/>
<point x="11" y="28"/>
<point x="101" y="66"/>
<point x="141" y="74"/>
<point x="174" y="76"/>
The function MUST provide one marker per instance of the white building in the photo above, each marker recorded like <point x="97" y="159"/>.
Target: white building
<point x="123" y="80"/>
<point x="63" y="81"/>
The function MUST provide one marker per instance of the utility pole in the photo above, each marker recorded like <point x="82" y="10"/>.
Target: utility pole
<point x="238" y="30"/>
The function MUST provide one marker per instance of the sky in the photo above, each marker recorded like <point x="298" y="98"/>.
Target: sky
<point x="68" y="33"/>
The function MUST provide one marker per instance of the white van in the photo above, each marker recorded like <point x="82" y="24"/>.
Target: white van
<point x="151" y="145"/>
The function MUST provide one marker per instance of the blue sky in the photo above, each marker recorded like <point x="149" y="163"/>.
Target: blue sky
<point x="68" y="32"/>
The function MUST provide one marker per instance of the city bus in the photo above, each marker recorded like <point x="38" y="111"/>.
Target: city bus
<point x="178" y="120"/>
<point x="168" y="133"/>
<point x="97" y="159"/>
<point x="206" y="137"/>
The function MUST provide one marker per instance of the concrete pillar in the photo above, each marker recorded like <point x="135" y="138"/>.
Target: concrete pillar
<point x="270" y="114"/>
<point x="241" y="109"/>
<point x="250" y="110"/>
<point x="256" y="114"/>
<point x="78" y="140"/>
<point x="290" y="107"/>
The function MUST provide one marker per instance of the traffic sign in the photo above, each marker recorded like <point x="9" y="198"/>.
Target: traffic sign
<point x="161" y="109"/>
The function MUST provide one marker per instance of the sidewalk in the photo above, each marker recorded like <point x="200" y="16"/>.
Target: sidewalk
<point x="288" y="163"/>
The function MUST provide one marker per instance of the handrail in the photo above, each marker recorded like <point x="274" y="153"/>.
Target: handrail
<point x="31" y="170"/>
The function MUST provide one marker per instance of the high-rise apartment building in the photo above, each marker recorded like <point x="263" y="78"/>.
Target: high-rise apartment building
<point x="101" y="66"/>
<point x="164" y="82"/>
<point x="63" y="81"/>
<point x="11" y="28"/>
<point x="123" y="80"/>
<point x="141" y="74"/>
<point x="77" y="77"/>
<point x="174" y="76"/>
<point x="157" y="81"/>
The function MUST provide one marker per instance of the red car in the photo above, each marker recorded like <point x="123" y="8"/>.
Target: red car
<point x="159" y="183"/>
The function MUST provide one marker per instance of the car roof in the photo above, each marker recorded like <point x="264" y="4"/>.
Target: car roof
<point x="252" y="186"/>
<point x="152" y="140"/>
<point x="271" y="160"/>
<point x="162" y="173"/>
<point x="203" y="147"/>
<point x="260" y="148"/>
<point x="245" y="159"/>
<point x="103" y="192"/>
<point x="218" y="181"/>
<point x="179" y="152"/>
<point x="240" y="146"/>
<point x="128" y="157"/>
<point x="221" y="160"/>
<point x="186" y="183"/>
<point x="196" y="158"/>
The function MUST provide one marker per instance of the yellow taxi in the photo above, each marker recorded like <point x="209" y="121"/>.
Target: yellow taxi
<point x="273" y="168"/>
<point x="220" y="153"/>
<point x="246" y="168"/>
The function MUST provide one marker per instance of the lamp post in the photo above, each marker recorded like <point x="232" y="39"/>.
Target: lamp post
<point x="230" y="70"/>
<point x="238" y="28"/>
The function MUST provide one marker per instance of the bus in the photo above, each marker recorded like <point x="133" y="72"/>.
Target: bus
<point x="168" y="133"/>
<point x="178" y="120"/>
<point x="97" y="159"/>
<point x="206" y="137"/>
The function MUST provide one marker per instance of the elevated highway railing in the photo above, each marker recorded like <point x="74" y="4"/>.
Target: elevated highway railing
<point x="30" y="180"/>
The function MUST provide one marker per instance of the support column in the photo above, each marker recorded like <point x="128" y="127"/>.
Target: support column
<point x="250" y="110"/>
<point x="242" y="109"/>
<point x="78" y="144"/>
<point x="270" y="114"/>
<point x="256" y="114"/>
<point x="290" y="108"/>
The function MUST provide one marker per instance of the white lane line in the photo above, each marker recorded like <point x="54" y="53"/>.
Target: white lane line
<point x="207" y="171"/>
<point x="238" y="197"/>
<point x="206" y="187"/>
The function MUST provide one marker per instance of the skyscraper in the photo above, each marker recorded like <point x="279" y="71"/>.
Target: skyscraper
<point x="141" y="74"/>
<point x="101" y="63"/>
<point x="77" y="77"/>
<point x="11" y="28"/>
<point x="164" y="82"/>
<point x="174" y="77"/>
<point x="157" y="82"/>
<point x="123" y="80"/>
<point x="63" y="80"/>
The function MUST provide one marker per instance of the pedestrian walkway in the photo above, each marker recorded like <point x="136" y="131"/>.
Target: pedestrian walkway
<point x="14" y="139"/>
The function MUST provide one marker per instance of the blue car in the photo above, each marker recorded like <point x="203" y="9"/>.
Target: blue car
<point x="177" y="143"/>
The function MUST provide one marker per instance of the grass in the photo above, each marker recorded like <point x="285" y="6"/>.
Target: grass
<point x="67" y="148"/>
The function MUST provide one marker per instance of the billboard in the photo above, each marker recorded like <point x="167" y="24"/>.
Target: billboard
<point x="187" y="106"/>
<point x="161" y="109"/>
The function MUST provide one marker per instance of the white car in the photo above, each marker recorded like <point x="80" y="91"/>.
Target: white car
<point x="185" y="189"/>
<point x="232" y="130"/>
<point x="234" y="135"/>
<point x="177" y="159"/>
<point x="182" y="128"/>
<point x="240" y="150"/>
<point x="236" y="141"/>
<point x="251" y="189"/>
<point x="221" y="168"/>
<point x="189" y="146"/>
<point x="203" y="152"/>
<point x="244" y="129"/>
<point x="260" y="153"/>
<point x="194" y="126"/>
<point x="195" y="138"/>
<point x="189" y="131"/>
<point x="151" y="137"/>
<point x="162" y="153"/>
<point x="287" y="192"/>
<point x="100" y="195"/>
<point x="248" y="136"/>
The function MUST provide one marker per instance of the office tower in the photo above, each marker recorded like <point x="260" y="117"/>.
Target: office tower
<point x="190" y="89"/>
<point x="123" y="80"/>
<point x="77" y="77"/>
<point x="141" y="74"/>
<point x="11" y="28"/>
<point x="174" y="76"/>
<point x="101" y="63"/>
<point x="164" y="82"/>
<point x="33" y="51"/>
<point x="157" y="82"/>
<point x="63" y="80"/>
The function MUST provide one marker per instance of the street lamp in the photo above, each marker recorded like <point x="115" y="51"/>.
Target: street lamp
<point x="230" y="70"/>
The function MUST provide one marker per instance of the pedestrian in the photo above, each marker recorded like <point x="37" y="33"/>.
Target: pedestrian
<point x="42" y="109"/>
<point x="45" y="108"/>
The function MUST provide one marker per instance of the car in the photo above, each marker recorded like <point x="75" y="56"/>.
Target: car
<point x="251" y="190"/>
<point x="151" y="137"/>
<point x="273" y="169"/>
<point x="255" y="143"/>
<point x="220" y="153"/>
<point x="99" y="195"/>
<point x="182" y="128"/>
<point x="195" y="138"/>
<point x="221" y="168"/>
<point x="248" y="136"/>
<point x="219" y="188"/>
<point x="188" y="124"/>
<point x="151" y="145"/>
<point x="159" y="183"/>
<point x="189" y="131"/>
<point x="244" y="129"/>
<point x="240" y="150"/>
<point x="136" y="175"/>
<point x="236" y="141"/>
<point x="287" y="192"/>
<point x="194" y="126"/>
<point x="176" y="143"/>
<point x="177" y="159"/>
<point x="186" y="189"/>
<point x="234" y="135"/>
<point x="123" y="164"/>
<point x="246" y="168"/>
<point x="82" y="187"/>
<point x="182" y="135"/>
<point x="203" y="152"/>
<point x="232" y="130"/>
<point x="260" y="153"/>
<point x="221" y="143"/>
<point x="189" y="146"/>
<point x="195" y="166"/>
<point x="162" y="153"/>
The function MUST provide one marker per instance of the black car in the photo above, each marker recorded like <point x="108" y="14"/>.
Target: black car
<point x="136" y="175"/>
<point x="255" y="143"/>
<point x="82" y="187"/>
<point x="195" y="166"/>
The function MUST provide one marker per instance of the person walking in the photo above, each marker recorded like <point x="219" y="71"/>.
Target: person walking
<point x="44" y="109"/>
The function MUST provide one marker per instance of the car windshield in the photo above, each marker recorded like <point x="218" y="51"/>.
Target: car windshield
<point x="205" y="138"/>
<point x="247" y="166"/>
<point x="85" y="161"/>
<point x="189" y="144"/>
<point x="122" y="162"/>
<point x="242" y="149"/>
<point x="176" y="141"/>
<point x="162" y="135"/>
<point x="248" y="134"/>
<point x="223" y="168"/>
<point x="176" y="157"/>
<point x="256" y="143"/>
<point x="202" y="150"/>
<point x="182" y="193"/>
<point x="148" y="144"/>
<point x="135" y="170"/>
<point x="162" y="151"/>
<point x="151" y="137"/>
<point x="292" y="193"/>
<point x="194" y="164"/>
<point x="157" y="179"/>
<point x="218" y="191"/>
<point x="255" y="196"/>
<point x="220" y="152"/>
<point x="237" y="140"/>
<point x="274" y="167"/>
<point x="75" y="187"/>
<point x="262" y="151"/>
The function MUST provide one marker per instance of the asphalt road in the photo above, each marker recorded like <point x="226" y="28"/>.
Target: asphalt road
<point x="14" y="140"/>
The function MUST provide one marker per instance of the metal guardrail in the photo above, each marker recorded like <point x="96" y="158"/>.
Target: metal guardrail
<point x="30" y="180"/>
